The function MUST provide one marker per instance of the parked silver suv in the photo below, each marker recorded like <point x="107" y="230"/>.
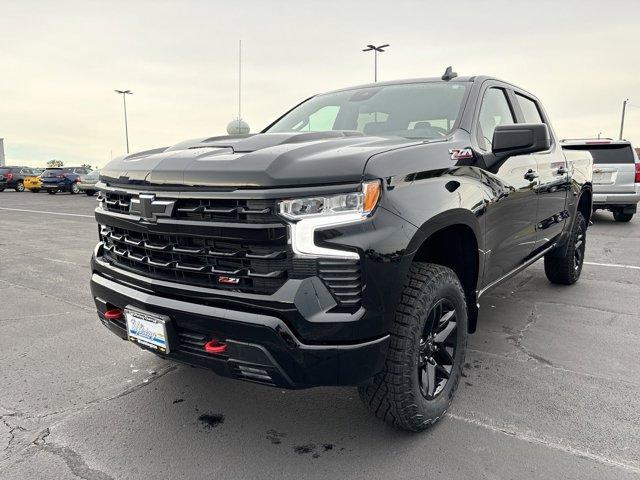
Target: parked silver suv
<point x="616" y="175"/>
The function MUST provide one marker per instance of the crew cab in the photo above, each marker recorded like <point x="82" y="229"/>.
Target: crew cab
<point x="62" y="179"/>
<point x="616" y="175"/>
<point x="348" y="243"/>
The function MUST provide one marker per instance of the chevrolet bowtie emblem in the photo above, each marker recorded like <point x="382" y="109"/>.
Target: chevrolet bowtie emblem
<point x="148" y="208"/>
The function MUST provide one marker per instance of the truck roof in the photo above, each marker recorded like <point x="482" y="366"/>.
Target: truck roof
<point x="460" y="79"/>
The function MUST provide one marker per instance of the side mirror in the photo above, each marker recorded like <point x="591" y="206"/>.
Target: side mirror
<point x="517" y="139"/>
<point x="520" y="139"/>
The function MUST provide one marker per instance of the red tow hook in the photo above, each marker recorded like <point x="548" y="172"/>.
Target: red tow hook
<point x="215" y="346"/>
<point x="113" y="314"/>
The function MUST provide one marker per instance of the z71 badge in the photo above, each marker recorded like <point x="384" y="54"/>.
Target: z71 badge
<point x="461" y="153"/>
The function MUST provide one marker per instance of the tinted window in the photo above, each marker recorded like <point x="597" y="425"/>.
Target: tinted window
<point x="420" y="110"/>
<point x="494" y="111"/>
<point x="612" y="154"/>
<point x="529" y="109"/>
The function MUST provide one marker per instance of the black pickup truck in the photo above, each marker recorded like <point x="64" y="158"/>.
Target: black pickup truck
<point x="348" y="243"/>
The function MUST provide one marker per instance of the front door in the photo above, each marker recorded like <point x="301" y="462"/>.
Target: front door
<point x="511" y="193"/>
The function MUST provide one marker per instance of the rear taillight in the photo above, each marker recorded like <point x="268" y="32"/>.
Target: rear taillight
<point x="9" y="176"/>
<point x="637" y="172"/>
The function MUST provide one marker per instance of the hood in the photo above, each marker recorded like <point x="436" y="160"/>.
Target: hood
<point x="260" y="160"/>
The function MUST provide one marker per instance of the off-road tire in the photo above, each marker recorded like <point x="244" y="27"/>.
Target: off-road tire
<point x="19" y="187"/>
<point x="566" y="269"/>
<point x="394" y="394"/>
<point x="622" y="217"/>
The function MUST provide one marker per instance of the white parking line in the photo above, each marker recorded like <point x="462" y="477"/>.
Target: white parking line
<point x="614" y="265"/>
<point x="562" y="445"/>
<point x="48" y="213"/>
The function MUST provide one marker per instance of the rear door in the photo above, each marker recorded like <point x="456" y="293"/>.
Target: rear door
<point x="553" y="176"/>
<point x="613" y="168"/>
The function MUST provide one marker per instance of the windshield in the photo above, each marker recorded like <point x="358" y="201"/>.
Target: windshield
<point x="93" y="174"/>
<point x="419" y="110"/>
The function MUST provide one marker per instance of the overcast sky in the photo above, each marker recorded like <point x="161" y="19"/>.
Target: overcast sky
<point x="60" y="62"/>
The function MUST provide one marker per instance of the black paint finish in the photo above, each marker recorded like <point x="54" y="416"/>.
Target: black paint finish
<point x="515" y="209"/>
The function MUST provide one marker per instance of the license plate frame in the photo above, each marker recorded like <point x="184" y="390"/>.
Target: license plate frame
<point x="148" y="329"/>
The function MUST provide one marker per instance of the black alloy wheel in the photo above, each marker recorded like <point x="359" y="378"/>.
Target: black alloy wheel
<point x="437" y="349"/>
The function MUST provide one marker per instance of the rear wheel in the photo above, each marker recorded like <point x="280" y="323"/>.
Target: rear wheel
<point x="426" y="351"/>
<point x="74" y="189"/>
<point x="19" y="187"/>
<point x="620" y="216"/>
<point x="566" y="269"/>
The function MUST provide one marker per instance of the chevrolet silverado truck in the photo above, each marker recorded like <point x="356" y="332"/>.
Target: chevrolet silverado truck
<point x="348" y="243"/>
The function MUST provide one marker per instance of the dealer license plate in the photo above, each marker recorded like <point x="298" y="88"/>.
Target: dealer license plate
<point x="147" y="329"/>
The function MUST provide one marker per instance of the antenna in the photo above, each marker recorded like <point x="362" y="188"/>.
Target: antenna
<point x="449" y="74"/>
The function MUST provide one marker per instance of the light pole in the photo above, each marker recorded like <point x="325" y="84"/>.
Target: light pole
<point x="379" y="48"/>
<point x="624" y="110"/>
<point x="124" y="94"/>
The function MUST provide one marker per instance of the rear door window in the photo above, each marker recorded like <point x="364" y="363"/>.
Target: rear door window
<point x="530" y="109"/>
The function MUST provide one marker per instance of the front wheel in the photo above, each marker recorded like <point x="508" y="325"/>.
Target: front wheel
<point x="620" y="216"/>
<point x="566" y="269"/>
<point x="426" y="351"/>
<point x="19" y="187"/>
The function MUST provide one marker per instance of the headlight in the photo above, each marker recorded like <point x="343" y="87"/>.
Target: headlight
<point x="356" y="202"/>
<point x="311" y="213"/>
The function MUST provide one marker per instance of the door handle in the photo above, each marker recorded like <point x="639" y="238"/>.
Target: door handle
<point x="531" y="175"/>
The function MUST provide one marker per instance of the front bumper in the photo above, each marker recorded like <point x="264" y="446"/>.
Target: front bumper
<point x="295" y="337"/>
<point x="261" y="347"/>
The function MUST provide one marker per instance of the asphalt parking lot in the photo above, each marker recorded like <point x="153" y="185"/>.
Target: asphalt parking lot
<point x="551" y="387"/>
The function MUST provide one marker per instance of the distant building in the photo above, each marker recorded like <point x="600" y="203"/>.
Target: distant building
<point x="1" y="152"/>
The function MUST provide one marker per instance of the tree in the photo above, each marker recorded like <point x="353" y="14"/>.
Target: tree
<point x="55" y="163"/>
<point x="87" y="166"/>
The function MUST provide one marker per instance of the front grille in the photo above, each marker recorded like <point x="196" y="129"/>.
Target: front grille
<point x="209" y="239"/>
<point x="210" y="210"/>
<point x="198" y="260"/>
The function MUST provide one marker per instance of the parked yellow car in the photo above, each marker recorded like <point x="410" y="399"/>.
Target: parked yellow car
<point x="33" y="183"/>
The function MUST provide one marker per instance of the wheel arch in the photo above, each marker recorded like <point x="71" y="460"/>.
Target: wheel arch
<point x="454" y="239"/>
